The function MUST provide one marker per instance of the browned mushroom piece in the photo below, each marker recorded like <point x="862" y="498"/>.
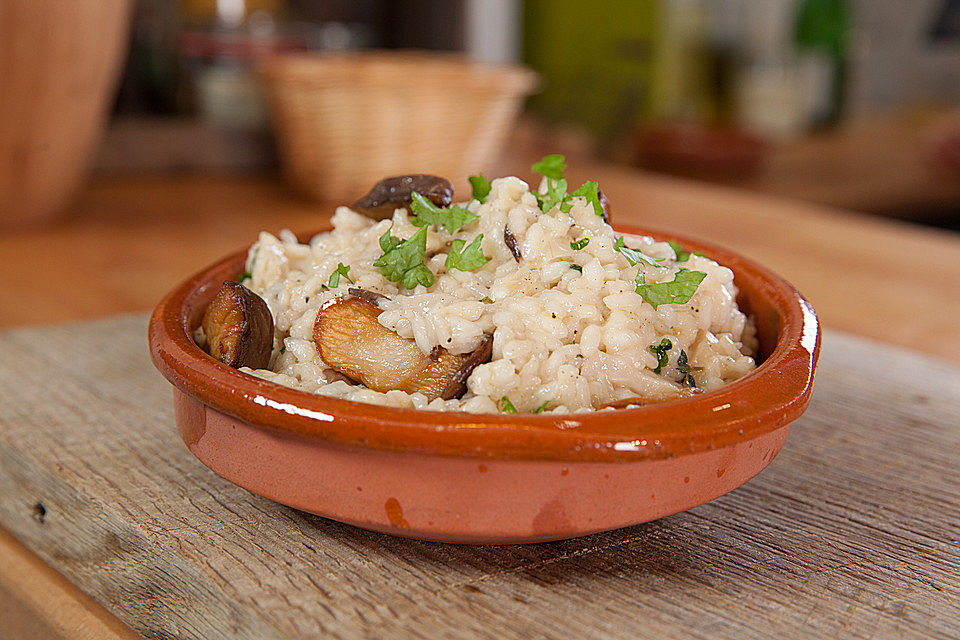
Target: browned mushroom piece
<point x="351" y="341"/>
<point x="238" y="327"/>
<point x="370" y="296"/>
<point x="604" y="204"/>
<point x="392" y="193"/>
<point x="511" y="241"/>
<point x="625" y="402"/>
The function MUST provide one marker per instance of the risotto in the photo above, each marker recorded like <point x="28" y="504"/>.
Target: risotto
<point x="579" y="317"/>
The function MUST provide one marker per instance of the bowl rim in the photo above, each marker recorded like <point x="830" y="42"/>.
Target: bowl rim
<point x="772" y="395"/>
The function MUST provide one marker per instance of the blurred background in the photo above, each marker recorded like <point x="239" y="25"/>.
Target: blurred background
<point x="849" y="103"/>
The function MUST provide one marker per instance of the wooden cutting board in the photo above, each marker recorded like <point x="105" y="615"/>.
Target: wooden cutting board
<point x="852" y="532"/>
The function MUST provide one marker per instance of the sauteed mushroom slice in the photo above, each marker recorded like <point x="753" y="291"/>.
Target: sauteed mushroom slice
<point x="370" y="296"/>
<point x="392" y="193"/>
<point x="604" y="204"/>
<point x="626" y="402"/>
<point x="511" y="241"/>
<point x="351" y="341"/>
<point x="686" y="392"/>
<point x="239" y="327"/>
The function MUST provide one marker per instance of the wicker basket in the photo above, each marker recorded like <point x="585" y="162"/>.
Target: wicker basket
<point x="344" y="121"/>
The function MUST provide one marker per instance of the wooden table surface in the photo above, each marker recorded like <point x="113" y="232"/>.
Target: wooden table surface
<point x="129" y="240"/>
<point x="883" y="163"/>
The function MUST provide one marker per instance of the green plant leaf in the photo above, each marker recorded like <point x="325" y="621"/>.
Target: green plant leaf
<point x="403" y="263"/>
<point x="481" y="187"/>
<point x="635" y="256"/>
<point x="551" y="166"/>
<point x="677" y="291"/>
<point x="426" y="213"/>
<point x="589" y="190"/>
<point x="660" y="350"/>
<point x="466" y="258"/>
<point x="341" y="270"/>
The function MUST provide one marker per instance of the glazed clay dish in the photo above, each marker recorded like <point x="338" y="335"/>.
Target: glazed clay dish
<point x="489" y="478"/>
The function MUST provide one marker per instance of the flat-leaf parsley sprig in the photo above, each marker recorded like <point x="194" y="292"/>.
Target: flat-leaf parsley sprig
<point x="677" y="291"/>
<point x="427" y="213"/>
<point x="635" y="256"/>
<point x="552" y="167"/>
<point x="402" y="260"/>
<point x="341" y="270"/>
<point x="466" y="258"/>
<point x="480" y="186"/>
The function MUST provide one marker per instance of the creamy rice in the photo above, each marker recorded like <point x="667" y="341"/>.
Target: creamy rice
<point x="571" y="340"/>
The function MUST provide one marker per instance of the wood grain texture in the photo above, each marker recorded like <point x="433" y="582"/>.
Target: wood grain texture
<point x="37" y="602"/>
<point x="852" y="532"/>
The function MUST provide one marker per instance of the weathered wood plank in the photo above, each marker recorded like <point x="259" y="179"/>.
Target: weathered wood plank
<point x="853" y="532"/>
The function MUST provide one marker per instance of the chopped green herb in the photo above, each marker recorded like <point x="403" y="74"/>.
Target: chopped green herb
<point x="425" y="212"/>
<point x="486" y="300"/>
<point x="551" y="166"/>
<point x="542" y="407"/>
<point x="283" y="349"/>
<point x="506" y="406"/>
<point x="635" y="256"/>
<point x="243" y="276"/>
<point x="403" y="263"/>
<point x="341" y="270"/>
<point x="677" y="291"/>
<point x="555" y="194"/>
<point x="660" y="350"/>
<point x="481" y="187"/>
<point x="579" y="244"/>
<point x="468" y="258"/>
<point x="576" y="267"/>
<point x="684" y="368"/>
<point x="387" y="241"/>
<point x="589" y="190"/>
<point x="682" y="256"/>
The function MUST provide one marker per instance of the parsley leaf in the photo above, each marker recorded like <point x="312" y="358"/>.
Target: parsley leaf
<point x="403" y="262"/>
<point x="506" y="406"/>
<point x="451" y="218"/>
<point x="481" y="187"/>
<point x="243" y="276"/>
<point x="677" y="291"/>
<point x="542" y="407"/>
<point x="576" y="267"/>
<point x="660" y="350"/>
<point x="466" y="259"/>
<point x="684" y="368"/>
<point x="420" y="274"/>
<point x="555" y="194"/>
<point x="579" y="244"/>
<point x="589" y="190"/>
<point x="341" y="270"/>
<point x="682" y="256"/>
<point x="635" y="256"/>
<point x="551" y="166"/>
<point x="387" y="241"/>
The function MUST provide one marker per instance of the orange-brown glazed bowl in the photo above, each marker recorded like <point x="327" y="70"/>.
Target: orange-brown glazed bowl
<point x="460" y="477"/>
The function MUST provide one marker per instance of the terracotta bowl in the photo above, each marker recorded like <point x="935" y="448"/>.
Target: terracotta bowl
<point x="460" y="477"/>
